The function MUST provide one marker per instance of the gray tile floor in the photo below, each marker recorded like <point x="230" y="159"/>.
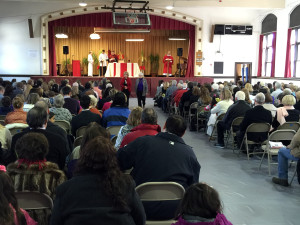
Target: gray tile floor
<point x="248" y="195"/>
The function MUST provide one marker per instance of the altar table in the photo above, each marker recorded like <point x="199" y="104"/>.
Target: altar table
<point x="118" y="69"/>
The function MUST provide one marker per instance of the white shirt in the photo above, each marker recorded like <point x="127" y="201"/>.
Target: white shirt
<point x="90" y="59"/>
<point x="103" y="59"/>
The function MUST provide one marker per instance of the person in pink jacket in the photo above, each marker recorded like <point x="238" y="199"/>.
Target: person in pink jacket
<point x="10" y="213"/>
<point x="201" y="205"/>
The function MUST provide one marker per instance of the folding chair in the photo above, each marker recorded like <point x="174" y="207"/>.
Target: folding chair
<point x="186" y="104"/>
<point x="193" y="107"/>
<point x="295" y="172"/>
<point x="255" y="128"/>
<point x="15" y="130"/>
<point x="219" y="118"/>
<point x="64" y="125"/>
<point x="160" y="191"/>
<point x="114" y="130"/>
<point x="32" y="200"/>
<point x="231" y="134"/>
<point x="80" y="131"/>
<point x="278" y="135"/>
<point x="289" y="126"/>
<point x="77" y="142"/>
<point x="200" y="120"/>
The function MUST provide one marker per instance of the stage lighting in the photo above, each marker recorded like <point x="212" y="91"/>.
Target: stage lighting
<point x="61" y="36"/>
<point x="83" y="4"/>
<point x="95" y="36"/>
<point x="134" y="39"/>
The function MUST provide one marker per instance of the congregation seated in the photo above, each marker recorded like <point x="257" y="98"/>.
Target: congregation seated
<point x="171" y="89"/>
<point x="201" y="205"/>
<point x="37" y="119"/>
<point x="297" y="105"/>
<point x="6" y="106"/>
<point x="286" y="113"/>
<point x="18" y="115"/>
<point x="85" y="117"/>
<point x="204" y="96"/>
<point x="148" y="126"/>
<point x="196" y="93"/>
<point x="58" y="110"/>
<point x="238" y="109"/>
<point x="118" y="113"/>
<point x="163" y="157"/>
<point x="93" y="105"/>
<point x="134" y="119"/>
<point x="269" y="104"/>
<point x="258" y="114"/>
<point x="70" y="103"/>
<point x="18" y="90"/>
<point x="92" y="131"/>
<point x="186" y="97"/>
<point x="99" y="192"/>
<point x="109" y="99"/>
<point x="32" y="172"/>
<point x="276" y="92"/>
<point x="10" y="211"/>
<point x="220" y="108"/>
<point x="179" y="93"/>
<point x="5" y="138"/>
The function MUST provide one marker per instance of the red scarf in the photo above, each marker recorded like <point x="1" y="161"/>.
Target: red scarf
<point x="41" y="163"/>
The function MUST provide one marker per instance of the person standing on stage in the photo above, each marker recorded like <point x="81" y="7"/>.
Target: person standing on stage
<point x="103" y="58"/>
<point x="91" y="64"/>
<point x="126" y="86"/>
<point x="113" y="57"/>
<point x="168" y="62"/>
<point x="141" y="89"/>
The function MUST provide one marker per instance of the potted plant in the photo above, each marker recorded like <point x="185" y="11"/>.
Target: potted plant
<point x="154" y="62"/>
<point x="68" y="67"/>
<point x="85" y="63"/>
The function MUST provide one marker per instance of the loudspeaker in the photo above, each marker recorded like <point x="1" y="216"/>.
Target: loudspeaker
<point x="30" y="27"/>
<point x="179" y="51"/>
<point x="219" y="29"/>
<point x="66" y="50"/>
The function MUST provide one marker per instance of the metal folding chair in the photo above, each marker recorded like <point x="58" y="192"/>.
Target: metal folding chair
<point x="231" y="134"/>
<point x="213" y="135"/>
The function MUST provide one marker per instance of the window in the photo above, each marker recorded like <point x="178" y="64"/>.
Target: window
<point x="295" y="52"/>
<point x="267" y="55"/>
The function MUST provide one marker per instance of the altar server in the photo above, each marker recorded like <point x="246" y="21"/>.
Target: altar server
<point x="103" y="58"/>
<point x="91" y="63"/>
<point x="168" y="62"/>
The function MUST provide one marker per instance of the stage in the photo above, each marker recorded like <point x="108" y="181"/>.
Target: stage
<point x="152" y="81"/>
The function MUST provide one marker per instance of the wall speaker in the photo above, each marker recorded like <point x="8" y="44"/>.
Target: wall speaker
<point x="66" y="50"/>
<point x="219" y="29"/>
<point x="179" y="51"/>
<point x="30" y="27"/>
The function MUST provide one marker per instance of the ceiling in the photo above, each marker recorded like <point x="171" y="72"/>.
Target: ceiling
<point x="13" y="8"/>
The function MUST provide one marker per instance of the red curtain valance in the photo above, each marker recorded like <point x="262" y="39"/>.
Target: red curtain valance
<point x="105" y="20"/>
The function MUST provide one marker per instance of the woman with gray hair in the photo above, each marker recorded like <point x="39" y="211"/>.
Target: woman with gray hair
<point x="58" y="110"/>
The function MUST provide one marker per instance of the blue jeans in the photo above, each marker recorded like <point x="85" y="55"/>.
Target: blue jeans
<point x="284" y="154"/>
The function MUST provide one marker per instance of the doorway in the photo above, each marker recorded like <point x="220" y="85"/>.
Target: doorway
<point x="243" y="71"/>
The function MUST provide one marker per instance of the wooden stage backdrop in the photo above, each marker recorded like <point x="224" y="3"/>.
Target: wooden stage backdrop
<point x="152" y="81"/>
<point x="155" y="42"/>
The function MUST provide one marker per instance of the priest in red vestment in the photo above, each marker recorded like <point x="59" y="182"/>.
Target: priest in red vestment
<point x="168" y="62"/>
<point x="113" y="57"/>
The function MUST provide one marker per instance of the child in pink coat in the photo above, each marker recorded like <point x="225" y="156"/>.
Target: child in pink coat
<point x="201" y="205"/>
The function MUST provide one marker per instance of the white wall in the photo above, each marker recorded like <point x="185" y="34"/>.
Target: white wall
<point x="235" y="48"/>
<point x="19" y="54"/>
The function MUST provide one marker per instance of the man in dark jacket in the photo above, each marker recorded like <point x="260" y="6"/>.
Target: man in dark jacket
<point x="256" y="115"/>
<point x="85" y="117"/>
<point x="186" y="97"/>
<point x="37" y="119"/>
<point x="238" y="109"/>
<point x="163" y="157"/>
<point x="70" y="103"/>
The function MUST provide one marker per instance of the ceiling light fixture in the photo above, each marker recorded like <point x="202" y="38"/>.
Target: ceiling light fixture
<point x="94" y="36"/>
<point x="134" y="39"/>
<point x="177" y="39"/>
<point x="83" y="4"/>
<point x="169" y="7"/>
<point x="61" y="35"/>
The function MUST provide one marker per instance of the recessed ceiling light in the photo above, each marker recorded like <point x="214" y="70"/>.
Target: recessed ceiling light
<point x="169" y="7"/>
<point x="134" y="39"/>
<point x="83" y="4"/>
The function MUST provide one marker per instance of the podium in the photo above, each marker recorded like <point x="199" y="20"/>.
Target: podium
<point x="76" y="68"/>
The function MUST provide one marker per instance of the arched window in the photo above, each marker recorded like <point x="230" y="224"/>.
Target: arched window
<point x="267" y="47"/>
<point x="292" y="63"/>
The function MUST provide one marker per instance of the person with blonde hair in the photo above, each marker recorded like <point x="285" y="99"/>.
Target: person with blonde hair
<point x="287" y="113"/>
<point x="133" y="120"/>
<point x="221" y="108"/>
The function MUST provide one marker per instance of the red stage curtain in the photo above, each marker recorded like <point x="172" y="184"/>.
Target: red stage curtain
<point x="287" y="71"/>
<point x="105" y="20"/>
<point x="273" y="55"/>
<point x="261" y="39"/>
